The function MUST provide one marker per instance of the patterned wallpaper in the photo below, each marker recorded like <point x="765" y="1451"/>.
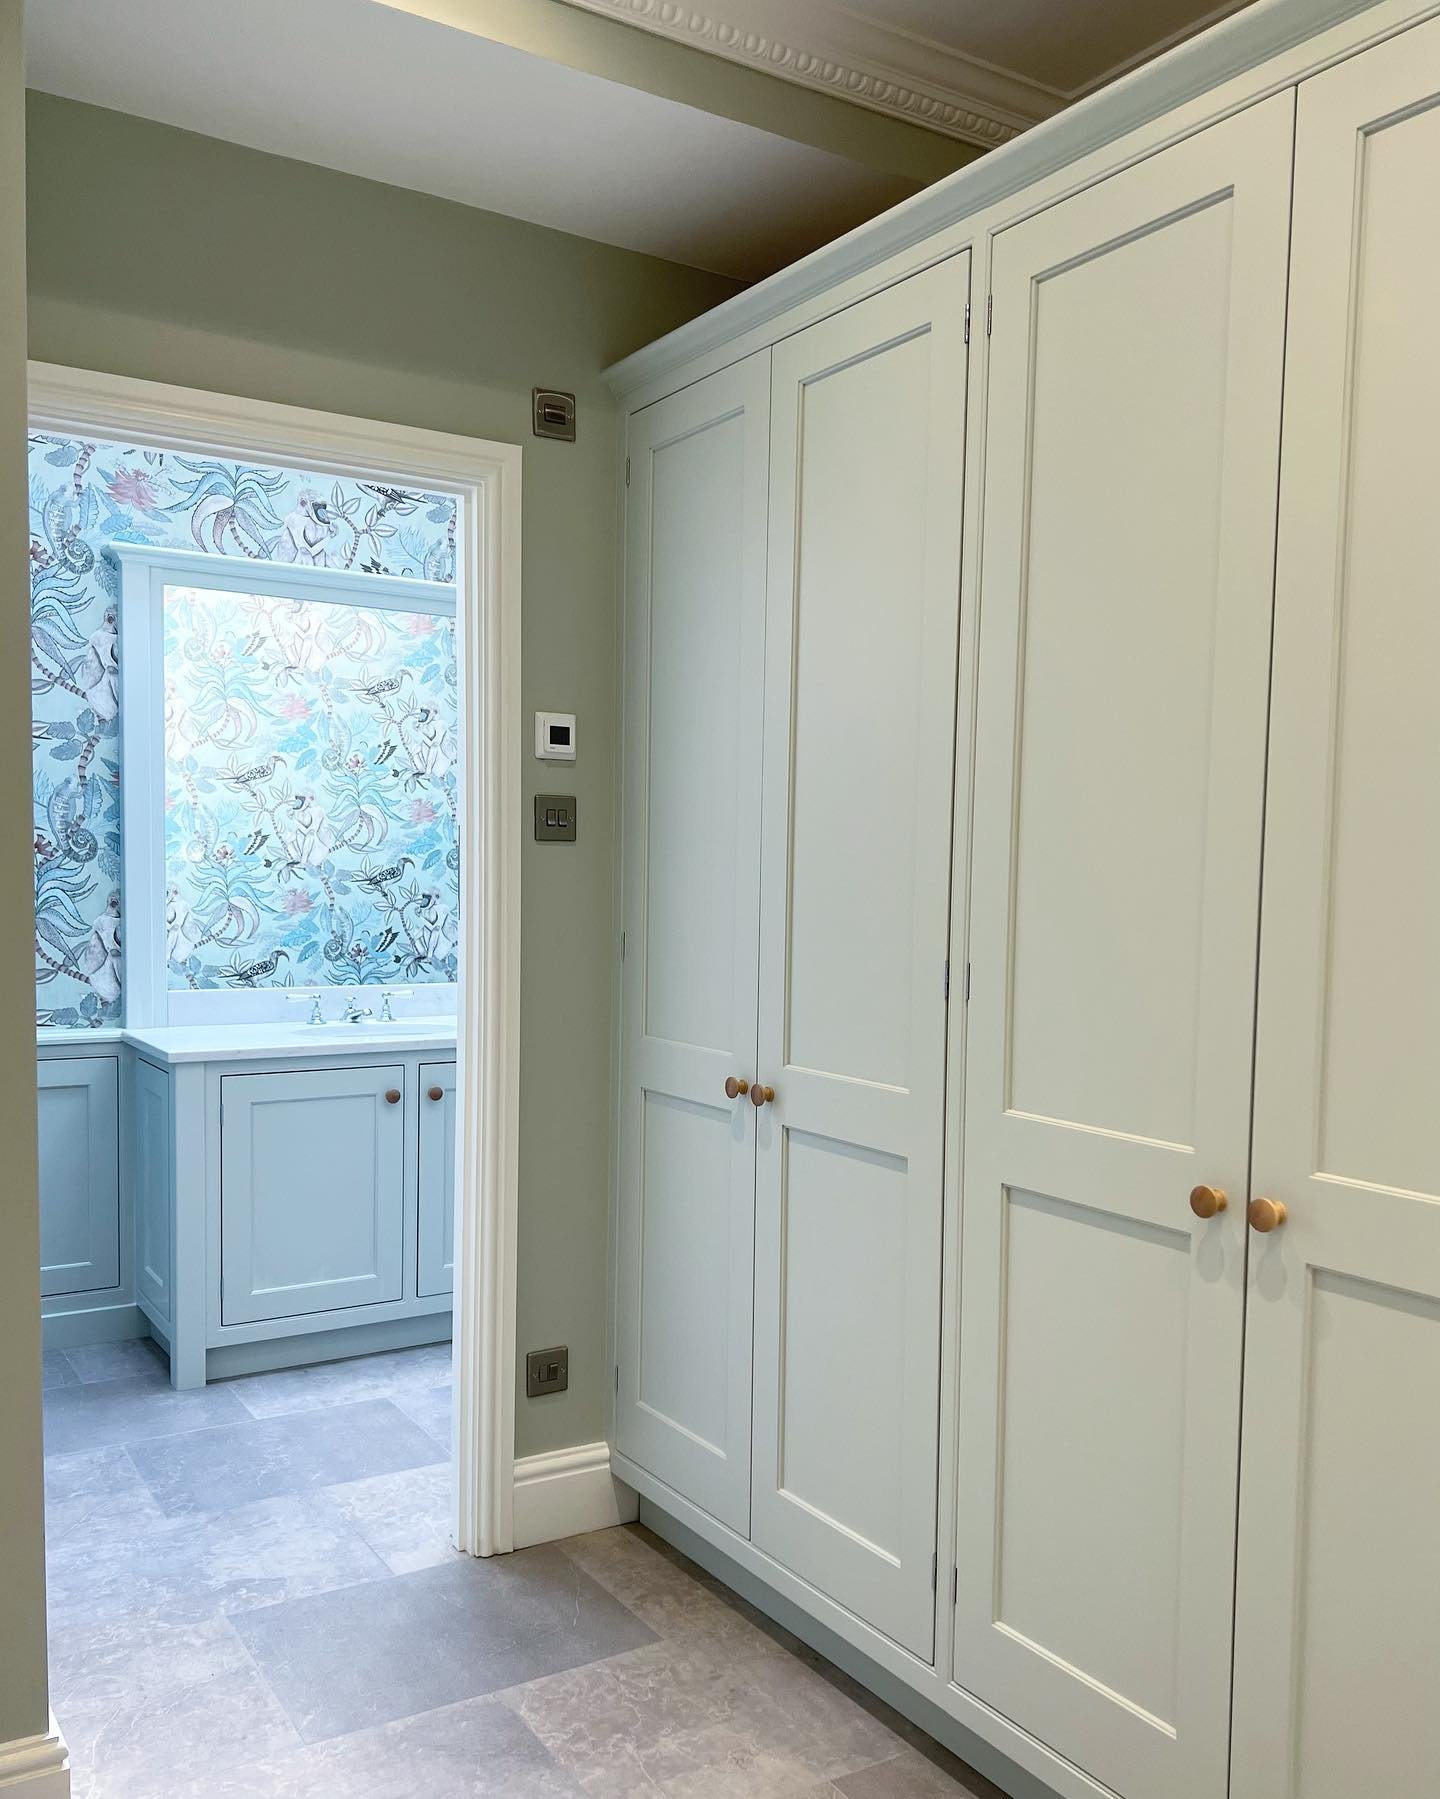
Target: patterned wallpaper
<point x="340" y="864"/>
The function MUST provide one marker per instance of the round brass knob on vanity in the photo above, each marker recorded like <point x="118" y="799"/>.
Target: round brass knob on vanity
<point x="759" y="1094"/>
<point x="437" y="1093"/>
<point x="392" y="1097"/>
<point x="1205" y="1202"/>
<point x="1267" y="1214"/>
<point x="734" y="1087"/>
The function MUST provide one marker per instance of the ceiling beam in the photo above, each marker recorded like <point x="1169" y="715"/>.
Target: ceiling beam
<point x="600" y="38"/>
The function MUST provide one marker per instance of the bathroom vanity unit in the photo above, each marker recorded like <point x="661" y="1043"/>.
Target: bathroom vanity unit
<point x="254" y="1196"/>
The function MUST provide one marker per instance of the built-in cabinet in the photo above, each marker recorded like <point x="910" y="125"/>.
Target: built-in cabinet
<point x="783" y="1121"/>
<point x="1013" y="1167"/>
<point x="245" y="1213"/>
<point x="79" y="1132"/>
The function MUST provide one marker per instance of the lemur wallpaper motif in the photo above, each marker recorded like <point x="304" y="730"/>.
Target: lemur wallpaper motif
<point x="310" y="828"/>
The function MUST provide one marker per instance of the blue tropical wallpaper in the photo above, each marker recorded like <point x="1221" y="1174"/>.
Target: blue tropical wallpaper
<point x="310" y="808"/>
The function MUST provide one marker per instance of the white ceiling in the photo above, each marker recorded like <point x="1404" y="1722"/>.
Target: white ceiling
<point x="372" y="91"/>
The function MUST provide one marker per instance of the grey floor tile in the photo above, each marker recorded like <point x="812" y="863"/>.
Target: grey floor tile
<point x="386" y="1376"/>
<point x="95" y="1493"/>
<point x="474" y="1750"/>
<point x="259" y="1458"/>
<point x="139" y="1358"/>
<point x="406" y="1518"/>
<point x="93" y="1414"/>
<point x="365" y="1655"/>
<point x="128" y="1662"/>
<point x="55" y="1370"/>
<point x="185" y="1570"/>
<point x="132" y="1751"/>
<point x="433" y="1409"/>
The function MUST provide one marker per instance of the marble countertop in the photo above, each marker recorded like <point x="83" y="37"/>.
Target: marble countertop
<point x="268" y="1041"/>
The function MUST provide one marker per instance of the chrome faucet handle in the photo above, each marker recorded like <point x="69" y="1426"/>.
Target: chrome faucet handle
<point x="311" y="999"/>
<point x="386" y="1015"/>
<point x="354" y="1012"/>
<point x="317" y="1011"/>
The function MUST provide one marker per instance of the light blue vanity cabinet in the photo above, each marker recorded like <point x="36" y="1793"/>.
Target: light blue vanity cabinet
<point x="312" y="1190"/>
<point x="79" y="1131"/>
<point x="292" y="1190"/>
<point x="437" y="1178"/>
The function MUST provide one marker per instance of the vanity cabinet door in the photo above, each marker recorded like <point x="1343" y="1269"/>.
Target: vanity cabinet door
<point x="436" y="1262"/>
<point x="79" y="1174"/>
<point x="312" y="1191"/>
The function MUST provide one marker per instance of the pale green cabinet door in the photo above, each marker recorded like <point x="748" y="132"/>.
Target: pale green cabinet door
<point x="436" y="1262"/>
<point x="312" y="1195"/>
<point x="79" y="1174"/>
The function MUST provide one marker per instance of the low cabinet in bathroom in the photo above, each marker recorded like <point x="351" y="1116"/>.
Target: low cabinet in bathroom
<point x="293" y="1192"/>
<point x="312" y="1191"/>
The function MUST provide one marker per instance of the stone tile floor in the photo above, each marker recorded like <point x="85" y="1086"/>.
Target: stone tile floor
<point x="252" y="1597"/>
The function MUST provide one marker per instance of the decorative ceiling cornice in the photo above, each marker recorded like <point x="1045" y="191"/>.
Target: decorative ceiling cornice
<point x="886" y="70"/>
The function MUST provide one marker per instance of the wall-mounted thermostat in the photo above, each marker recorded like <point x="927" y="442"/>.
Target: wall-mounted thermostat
<point x="555" y="736"/>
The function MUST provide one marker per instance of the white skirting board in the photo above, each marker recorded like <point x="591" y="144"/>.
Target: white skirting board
<point x="567" y="1492"/>
<point x="36" y="1767"/>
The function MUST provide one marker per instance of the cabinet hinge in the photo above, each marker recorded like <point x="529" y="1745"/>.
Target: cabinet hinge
<point x="934" y="1570"/>
<point x="954" y="1585"/>
<point x="967" y="983"/>
<point x="627" y="471"/>
<point x="989" y="312"/>
<point x="622" y="945"/>
<point x="967" y="321"/>
<point x="617" y="1380"/>
<point x="947" y="983"/>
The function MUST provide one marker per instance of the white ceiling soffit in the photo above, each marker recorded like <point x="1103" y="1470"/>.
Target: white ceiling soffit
<point x="380" y="93"/>
<point x="981" y="71"/>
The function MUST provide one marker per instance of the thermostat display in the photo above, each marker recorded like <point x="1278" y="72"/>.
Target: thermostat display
<point x="555" y="736"/>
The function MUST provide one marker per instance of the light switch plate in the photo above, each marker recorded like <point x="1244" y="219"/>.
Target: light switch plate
<point x="555" y="818"/>
<point x="547" y="1371"/>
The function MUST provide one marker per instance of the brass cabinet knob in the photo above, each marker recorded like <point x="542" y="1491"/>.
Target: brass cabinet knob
<point x="759" y="1094"/>
<point x="392" y="1097"/>
<point x="437" y="1093"/>
<point x="1267" y="1214"/>
<point x="734" y="1087"/>
<point x="1205" y="1202"/>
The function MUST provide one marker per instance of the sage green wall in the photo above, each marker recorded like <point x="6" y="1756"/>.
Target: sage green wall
<point x="24" y="1709"/>
<point x="160" y="254"/>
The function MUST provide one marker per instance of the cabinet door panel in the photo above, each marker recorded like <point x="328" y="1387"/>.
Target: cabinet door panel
<point x="1338" y="1595"/>
<point x="694" y="644"/>
<point x="860" y="664"/>
<point x="1134" y="410"/>
<point x="436" y="1261"/>
<point x="312" y="1195"/>
<point x="79" y="1174"/>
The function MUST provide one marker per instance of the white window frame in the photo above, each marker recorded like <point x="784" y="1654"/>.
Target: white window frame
<point x="484" y="478"/>
<point x="145" y="572"/>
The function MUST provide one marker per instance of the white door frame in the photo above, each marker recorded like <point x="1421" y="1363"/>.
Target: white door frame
<point x="484" y="478"/>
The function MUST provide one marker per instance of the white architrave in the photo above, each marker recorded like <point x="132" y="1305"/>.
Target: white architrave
<point x="484" y="478"/>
